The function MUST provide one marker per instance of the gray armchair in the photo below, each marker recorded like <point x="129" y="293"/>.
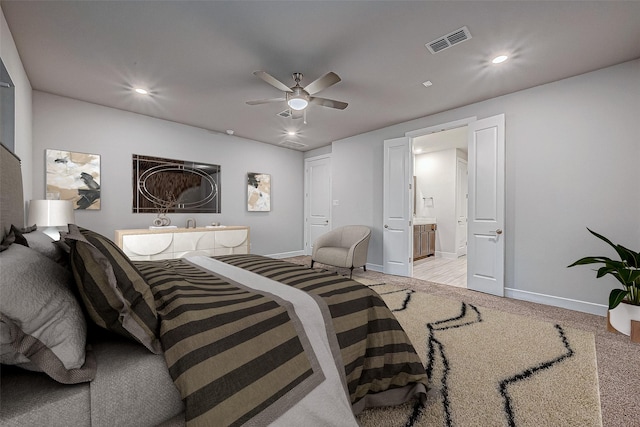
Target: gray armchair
<point x="343" y="247"/>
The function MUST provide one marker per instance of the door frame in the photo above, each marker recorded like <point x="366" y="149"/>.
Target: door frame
<point x="459" y="202"/>
<point x="307" y="244"/>
<point x="436" y="129"/>
<point x="451" y="125"/>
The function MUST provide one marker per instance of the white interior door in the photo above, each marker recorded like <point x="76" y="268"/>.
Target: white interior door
<point x="462" y="197"/>
<point x="485" y="261"/>
<point x="397" y="238"/>
<point x="317" y="199"/>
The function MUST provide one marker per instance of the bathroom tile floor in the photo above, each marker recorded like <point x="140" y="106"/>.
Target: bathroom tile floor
<point x="442" y="270"/>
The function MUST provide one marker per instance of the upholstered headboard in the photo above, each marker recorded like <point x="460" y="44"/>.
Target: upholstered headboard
<point x="11" y="199"/>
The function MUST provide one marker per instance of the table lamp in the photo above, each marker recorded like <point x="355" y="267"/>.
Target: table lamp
<point x="51" y="214"/>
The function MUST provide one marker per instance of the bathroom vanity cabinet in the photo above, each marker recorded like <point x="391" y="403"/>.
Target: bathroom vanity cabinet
<point x="424" y="241"/>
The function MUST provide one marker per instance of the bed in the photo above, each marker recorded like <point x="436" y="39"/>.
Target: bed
<point x="91" y="338"/>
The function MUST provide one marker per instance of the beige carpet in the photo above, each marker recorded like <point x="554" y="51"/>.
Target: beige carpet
<point x="492" y="368"/>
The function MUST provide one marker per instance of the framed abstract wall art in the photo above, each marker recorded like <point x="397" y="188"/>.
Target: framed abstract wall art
<point x="258" y="192"/>
<point x="73" y="176"/>
<point x="170" y="186"/>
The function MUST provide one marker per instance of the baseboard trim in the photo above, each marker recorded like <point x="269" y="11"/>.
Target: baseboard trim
<point x="286" y="254"/>
<point x="374" y="267"/>
<point x="571" y="304"/>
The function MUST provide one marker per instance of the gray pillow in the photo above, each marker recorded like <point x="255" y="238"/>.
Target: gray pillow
<point x="44" y="244"/>
<point x="42" y="327"/>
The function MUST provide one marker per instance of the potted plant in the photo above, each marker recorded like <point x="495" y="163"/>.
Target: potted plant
<point x="624" y="304"/>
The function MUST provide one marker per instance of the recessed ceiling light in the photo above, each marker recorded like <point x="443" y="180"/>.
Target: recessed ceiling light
<point x="291" y="133"/>
<point x="427" y="83"/>
<point x="499" y="59"/>
<point x="141" y="91"/>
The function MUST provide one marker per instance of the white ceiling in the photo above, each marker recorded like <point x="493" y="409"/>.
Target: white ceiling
<point x="198" y="57"/>
<point x="444" y="140"/>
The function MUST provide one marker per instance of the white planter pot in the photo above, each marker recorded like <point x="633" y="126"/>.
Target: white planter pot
<point x="621" y="316"/>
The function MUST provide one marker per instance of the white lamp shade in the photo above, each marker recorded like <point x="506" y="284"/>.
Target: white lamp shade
<point x="51" y="213"/>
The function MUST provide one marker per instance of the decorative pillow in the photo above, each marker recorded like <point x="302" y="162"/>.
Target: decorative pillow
<point x="42" y="327"/>
<point x="44" y="244"/>
<point x="114" y="292"/>
<point x="8" y="240"/>
<point x="14" y="236"/>
<point x="20" y="239"/>
<point x="29" y="229"/>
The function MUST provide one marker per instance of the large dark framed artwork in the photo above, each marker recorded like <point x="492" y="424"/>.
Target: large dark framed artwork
<point x="73" y="176"/>
<point x="258" y="192"/>
<point x="167" y="185"/>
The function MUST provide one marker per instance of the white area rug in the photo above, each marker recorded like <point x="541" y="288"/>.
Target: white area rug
<point x="491" y="368"/>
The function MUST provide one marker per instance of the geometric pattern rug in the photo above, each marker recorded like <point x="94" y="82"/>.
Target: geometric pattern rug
<point x="491" y="368"/>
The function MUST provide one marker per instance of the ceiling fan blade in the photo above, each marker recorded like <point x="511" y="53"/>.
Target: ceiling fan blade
<point x="331" y="103"/>
<point x="272" y="80"/>
<point x="323" y="82"/>
<point x="265" y="101"/>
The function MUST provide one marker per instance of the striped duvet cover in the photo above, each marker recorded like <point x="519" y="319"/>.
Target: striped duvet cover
<point x="243" y="351"/>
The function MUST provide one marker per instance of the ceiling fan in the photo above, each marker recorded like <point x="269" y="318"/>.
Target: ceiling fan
<point x="298" y="97"/>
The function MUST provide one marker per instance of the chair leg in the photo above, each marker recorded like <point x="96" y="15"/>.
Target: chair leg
<point x="365" y="267"/>
<point x="351" y="272"/>
<point x="312" y="261"/>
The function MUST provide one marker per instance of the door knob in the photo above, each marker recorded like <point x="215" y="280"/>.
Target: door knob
<point x="499" y="231"/>
<point x="386" y="226"/>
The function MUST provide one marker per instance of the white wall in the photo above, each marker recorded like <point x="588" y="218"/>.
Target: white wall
<point x="23" y="105"/>
<point x="572" y="161"/>
<point x="357" y="168"/>
<point x="318" y="152"/>
<point x="436" y="181"/>
<point x="68" y="124"/>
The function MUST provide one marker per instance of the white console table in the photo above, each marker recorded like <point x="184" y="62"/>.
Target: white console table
<point x="152" y="244"/>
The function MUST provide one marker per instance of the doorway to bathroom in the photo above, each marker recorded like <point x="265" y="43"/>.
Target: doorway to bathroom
<point x="441" y="204"/>
<point x="486" y="210"/>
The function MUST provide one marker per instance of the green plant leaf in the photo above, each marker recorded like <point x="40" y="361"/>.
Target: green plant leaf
<point x="629" y="275"/>
<point x="615" y="297"/>
<point x="631" y="257"/>
<point x="626" y="271"/>
<point x="590" y="260"/>
<point x="625" y="254"/>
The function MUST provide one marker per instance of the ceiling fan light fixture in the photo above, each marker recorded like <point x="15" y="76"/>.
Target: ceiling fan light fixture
<point x="299" y="98"/>
<point x="298" y="103"/>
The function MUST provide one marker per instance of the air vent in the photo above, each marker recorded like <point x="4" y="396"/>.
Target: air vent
<point x="286" y="114"/>
<point x="293" y="144"/>
<point x="451" y="39"/>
